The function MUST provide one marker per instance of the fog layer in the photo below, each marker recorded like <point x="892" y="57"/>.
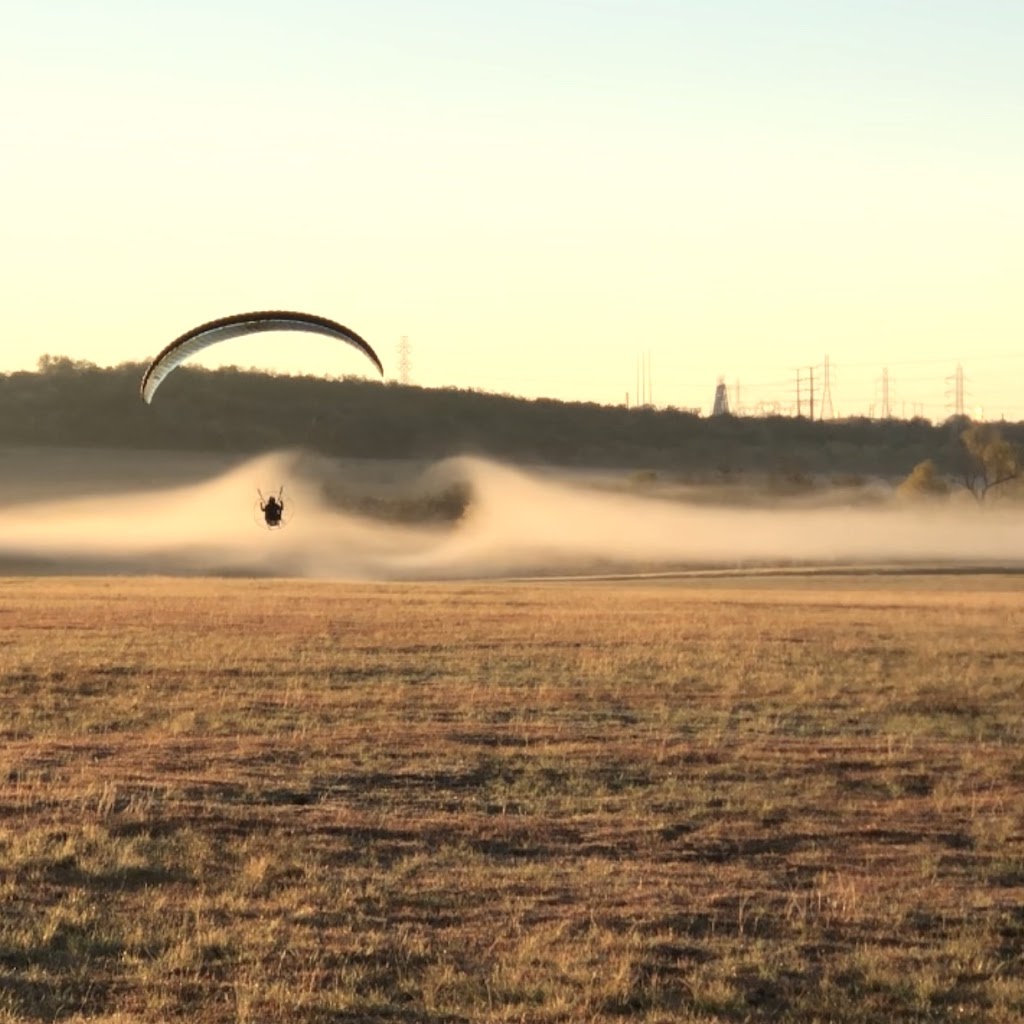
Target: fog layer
<point x="518" y="523"/>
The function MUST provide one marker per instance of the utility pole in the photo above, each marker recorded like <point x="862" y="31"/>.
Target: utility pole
<point x="886" y="411"/>
<point x="810" y="388"/>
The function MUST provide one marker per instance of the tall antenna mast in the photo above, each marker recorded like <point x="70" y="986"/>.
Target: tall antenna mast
<point x="643" y="379"/>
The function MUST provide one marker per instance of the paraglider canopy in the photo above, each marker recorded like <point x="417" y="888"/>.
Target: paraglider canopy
<point x="244" y="323"/>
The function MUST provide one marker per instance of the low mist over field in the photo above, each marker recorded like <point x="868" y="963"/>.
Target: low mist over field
<point x="516" y="522"/>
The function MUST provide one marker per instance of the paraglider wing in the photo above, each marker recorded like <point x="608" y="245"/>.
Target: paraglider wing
<point x="244" y="323"/>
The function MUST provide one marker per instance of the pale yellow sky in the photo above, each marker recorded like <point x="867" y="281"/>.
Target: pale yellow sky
<point x="535" y="194"/>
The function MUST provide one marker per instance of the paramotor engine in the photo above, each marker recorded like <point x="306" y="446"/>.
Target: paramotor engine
<point x="215" y="331"/>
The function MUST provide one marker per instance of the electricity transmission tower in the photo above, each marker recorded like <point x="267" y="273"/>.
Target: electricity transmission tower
<point x="404" y="360"/>
<point x="827" y="412"/>
<point x="957" y="381"/>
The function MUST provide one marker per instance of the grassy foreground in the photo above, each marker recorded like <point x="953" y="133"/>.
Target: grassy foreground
<point x="267" y="802"/>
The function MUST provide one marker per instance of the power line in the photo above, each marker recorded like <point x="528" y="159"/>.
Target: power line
<point x="936" y="395"/>
<point x="934" y="360"/>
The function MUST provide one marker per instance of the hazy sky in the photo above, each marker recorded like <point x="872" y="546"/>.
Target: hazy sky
<point x="535" y="193"/>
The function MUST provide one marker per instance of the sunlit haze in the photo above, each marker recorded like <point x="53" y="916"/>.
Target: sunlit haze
<point x="517" y="522"/>
<point x="537" y="195"/>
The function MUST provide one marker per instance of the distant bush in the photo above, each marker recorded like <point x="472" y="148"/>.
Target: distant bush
<point x="988" y="460"/>
<point x="72" y="402"/>
<point x="643" y="478"/>
<point x="848" y="480"/>
<point x="446" y="506"/>
<point x="924" y="481"/>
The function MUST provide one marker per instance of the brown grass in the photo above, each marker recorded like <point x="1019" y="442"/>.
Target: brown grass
<point x="266" y="802"/>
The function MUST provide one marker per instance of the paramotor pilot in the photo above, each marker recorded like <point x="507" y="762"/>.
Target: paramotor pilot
<point x="273" y="510"/>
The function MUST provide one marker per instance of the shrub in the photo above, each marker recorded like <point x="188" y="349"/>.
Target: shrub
<point x="923" y="481"/>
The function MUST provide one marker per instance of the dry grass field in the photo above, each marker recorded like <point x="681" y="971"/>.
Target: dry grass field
<point x="263" y="802"/>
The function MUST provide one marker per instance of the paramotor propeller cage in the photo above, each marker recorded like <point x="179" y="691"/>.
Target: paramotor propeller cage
<point x="260" y="516"/>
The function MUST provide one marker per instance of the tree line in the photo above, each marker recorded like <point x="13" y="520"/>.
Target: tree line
<point x="71" y="402"/>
